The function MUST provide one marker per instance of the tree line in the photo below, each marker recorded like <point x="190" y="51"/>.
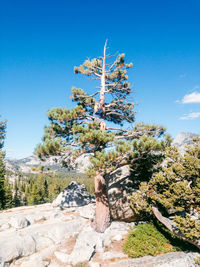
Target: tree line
<point x="22" y="189"/>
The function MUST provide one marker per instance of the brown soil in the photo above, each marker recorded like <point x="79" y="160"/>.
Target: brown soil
<point x="68" y="245"/>
<point x="68" y="213"/>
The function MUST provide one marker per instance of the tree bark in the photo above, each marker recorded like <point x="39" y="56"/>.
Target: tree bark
<point x="102" y="218"/>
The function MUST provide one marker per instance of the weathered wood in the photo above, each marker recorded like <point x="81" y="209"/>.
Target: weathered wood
<point x="102" y="218"/>
<point x="103" y="75"/>
<point x="169" y="225"/>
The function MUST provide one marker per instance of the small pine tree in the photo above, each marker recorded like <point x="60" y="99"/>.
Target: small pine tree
<point x="34" y="197"/>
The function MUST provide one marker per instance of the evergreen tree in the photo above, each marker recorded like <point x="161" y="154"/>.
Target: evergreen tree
<point x="8" y="203"/>
<point x="54" y="189"/>
<point x="174" y="192"/>
<point x="46" y="190"/>
<point x="97" y="123"/>
<point x="2" y="164"/>
<point x="16" y="193"/>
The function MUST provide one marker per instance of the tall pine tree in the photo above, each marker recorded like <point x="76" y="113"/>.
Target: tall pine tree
<point x="97" y="123"/>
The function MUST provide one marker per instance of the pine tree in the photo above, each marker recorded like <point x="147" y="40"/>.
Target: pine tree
<point x="2" y="164"/>
<point x="97" y="123"/>
<point x="16" y="193"/>
<point x="174" y="192"/>
<point x="46" y="190"/>
<point x="54" y="189"/>
<point x="8" y="203"/>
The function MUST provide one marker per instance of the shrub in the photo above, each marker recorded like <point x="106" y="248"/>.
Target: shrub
<point x="175" y="191"/>
<point x="144" y="240"/>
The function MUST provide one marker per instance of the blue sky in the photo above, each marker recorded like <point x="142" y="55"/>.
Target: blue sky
<point x="42" y="40"/>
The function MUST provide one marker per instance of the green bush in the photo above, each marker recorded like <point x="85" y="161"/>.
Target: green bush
<point x="144" y="240"/>
<point x="174" y="190"/>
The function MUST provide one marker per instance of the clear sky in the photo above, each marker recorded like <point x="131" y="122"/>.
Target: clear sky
<point x="42" y="40"/>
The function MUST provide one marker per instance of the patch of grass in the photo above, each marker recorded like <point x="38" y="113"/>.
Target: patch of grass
<point x="145" y="239"/>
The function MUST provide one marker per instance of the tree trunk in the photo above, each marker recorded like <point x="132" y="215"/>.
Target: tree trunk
<point x="102" y="218"/>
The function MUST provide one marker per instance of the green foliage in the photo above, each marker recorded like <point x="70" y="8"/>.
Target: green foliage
<point x="2" y="164"/>
<point x="8" y="200"/>
<point x="190" y="228"/>
<point x="2" y="133"/>
<point x="33" y="189"/>
<point x="140" y="202"/>
<point x="144" y="240"/>
<point x="175" y="189"/>
<point x="2" y="179"/>
<point x="143" y="154"/>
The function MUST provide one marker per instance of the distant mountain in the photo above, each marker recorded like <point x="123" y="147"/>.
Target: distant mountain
<point x="28" y="164"/>
<point x="182" y="140"/>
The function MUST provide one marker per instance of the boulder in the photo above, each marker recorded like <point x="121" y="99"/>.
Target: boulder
<point x="87" y="211"/>
<point x="174" y="259"/>
<point x="119" y="190"/>
<point x="116" y="230"/>
<point x="15" y="247"/>
<point x="84" y="248"/>
<point x="74" y="195"/>
<point x="19" y="222"/>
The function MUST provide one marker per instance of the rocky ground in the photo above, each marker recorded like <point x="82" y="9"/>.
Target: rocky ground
<point x="44" y="235"/>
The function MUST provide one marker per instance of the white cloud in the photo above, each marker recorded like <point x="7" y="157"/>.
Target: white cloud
<point x="191" y="98"/>
<point x="191" y="116"/>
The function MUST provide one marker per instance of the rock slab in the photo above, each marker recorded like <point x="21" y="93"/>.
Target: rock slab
<point x="174" y="259"/>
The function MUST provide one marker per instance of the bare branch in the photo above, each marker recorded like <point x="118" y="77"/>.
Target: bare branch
<point x="114" y="113"/>
<point x="88" y="96"/>
<point x="116" y="129"/>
